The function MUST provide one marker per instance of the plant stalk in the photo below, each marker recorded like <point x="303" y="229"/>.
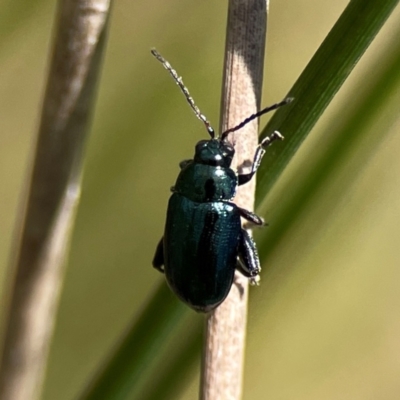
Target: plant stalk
<point x="223" y="355"/>
<point x="48" y="212"/>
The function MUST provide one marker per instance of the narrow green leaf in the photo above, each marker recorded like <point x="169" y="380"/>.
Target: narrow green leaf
<point x="165" y="384"/>
<point x="347" y="140"/>
<point x="138" y="350"/>
<point x="317" y="85"/>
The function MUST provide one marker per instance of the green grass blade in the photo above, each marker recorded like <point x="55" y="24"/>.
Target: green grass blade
<point x="129" y="364"/>
<point x="317" y="85"/>
<point x="164" y="384"/>
<point x="347" y="140"/>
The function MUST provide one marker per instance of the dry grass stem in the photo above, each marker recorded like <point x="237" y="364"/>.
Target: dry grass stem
<point x="223" y="356"/>
<point x="40" y="248"/>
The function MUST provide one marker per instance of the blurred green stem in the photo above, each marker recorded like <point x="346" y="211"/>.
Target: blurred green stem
<point x="131" y="359"/>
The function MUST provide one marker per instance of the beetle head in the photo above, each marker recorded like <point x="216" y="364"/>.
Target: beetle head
<point x="214" y="152"/>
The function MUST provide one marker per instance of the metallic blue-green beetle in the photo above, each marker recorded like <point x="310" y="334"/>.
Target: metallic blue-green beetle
<point x="203" y="240"/>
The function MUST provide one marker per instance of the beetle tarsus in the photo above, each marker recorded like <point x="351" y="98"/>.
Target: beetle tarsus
<point x="255" y="280"/>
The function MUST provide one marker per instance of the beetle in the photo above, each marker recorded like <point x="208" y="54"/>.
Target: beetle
<point x="204" y="242"/>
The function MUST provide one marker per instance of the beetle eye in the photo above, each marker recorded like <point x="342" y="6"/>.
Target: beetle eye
<point x="200" y="146"/>
<point x="227" y="150"/>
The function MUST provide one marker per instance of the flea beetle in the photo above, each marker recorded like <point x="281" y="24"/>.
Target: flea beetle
<point x="203" y="240"/>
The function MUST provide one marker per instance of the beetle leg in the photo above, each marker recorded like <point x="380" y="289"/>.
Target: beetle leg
<point x="251" y="217"/>
<point x="258" y="155"/>
<point x="184" y="163"/>
<point x="249" y="263"/>
<point x="158" y="260"/>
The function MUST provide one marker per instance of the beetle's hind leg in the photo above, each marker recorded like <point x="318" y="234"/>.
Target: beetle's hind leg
<point x="158" y="260"/>
<point x="248" y="263"/>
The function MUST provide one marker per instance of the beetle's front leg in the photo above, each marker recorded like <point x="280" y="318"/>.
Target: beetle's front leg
<point x="258" y="155"/>
<point x="158" y="260"/>
<point x="249" y="263"/>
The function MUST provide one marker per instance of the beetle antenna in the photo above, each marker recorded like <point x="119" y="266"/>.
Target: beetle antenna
<point x="256" y="115"/>
<point x="184" y="90"/>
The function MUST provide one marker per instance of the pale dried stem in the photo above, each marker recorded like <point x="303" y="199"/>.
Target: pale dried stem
<point x="223" y="357"/>
<point x="40" y="248"/>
